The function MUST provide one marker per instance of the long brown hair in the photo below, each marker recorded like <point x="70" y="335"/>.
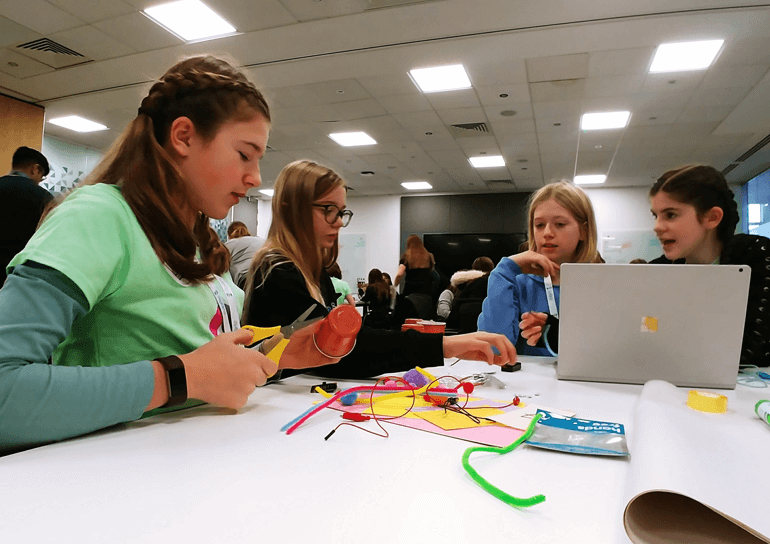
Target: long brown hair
<point x="416" y="256"/>
<point x="579" y="205"/>
<point x="378" y="283"/>
<point x="291" y="237"/>
<point x="210" y="92"/>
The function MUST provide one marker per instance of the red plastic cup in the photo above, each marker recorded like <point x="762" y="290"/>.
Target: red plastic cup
<point x="435" y="327"/>
<point x="336" y="335"/>
<point x="412" y="321"/>
<point x="412" y="326"/>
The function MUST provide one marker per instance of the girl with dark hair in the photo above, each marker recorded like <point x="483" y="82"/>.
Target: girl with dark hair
<point x="126" y="286"/>
<point x="695" y="218"/>
<point x="289" y="274"/>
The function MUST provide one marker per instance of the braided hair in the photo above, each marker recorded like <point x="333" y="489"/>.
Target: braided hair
<point x="703" y="187"/>
<point x="210" y="92"/>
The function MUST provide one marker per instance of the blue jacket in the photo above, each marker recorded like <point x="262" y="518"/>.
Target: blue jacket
<point x="511" y="293"/>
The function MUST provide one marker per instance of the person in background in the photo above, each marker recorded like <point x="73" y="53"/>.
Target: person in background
<point x="562" y="229"/>
<point x="288" y="275"/>
<point x="393" y="292"/>
<point x="22" y="202"/>
<point x="127" y="285"/>
<point x="377" y="296"/>
<point x="695" y="218"/>
<point x="242" y="246"/>
<point x="341" y="287"/>
<point x="637" y="261"/>
<point x="416" y="268"/>
<point x="471" y="290"/>
<point x="457" y="283"/>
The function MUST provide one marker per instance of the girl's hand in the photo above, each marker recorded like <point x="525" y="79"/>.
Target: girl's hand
<point x="224" y="372"/>
<point x="477" y="346"/>
<point x="531" y="326"/>
<point x="301" y="351"/>
<point x="532" y="262"/>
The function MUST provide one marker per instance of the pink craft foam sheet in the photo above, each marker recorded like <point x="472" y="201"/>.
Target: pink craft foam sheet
<point x="489" y="435"/>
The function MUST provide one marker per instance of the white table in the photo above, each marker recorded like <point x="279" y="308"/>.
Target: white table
<point x="206" y="475"/>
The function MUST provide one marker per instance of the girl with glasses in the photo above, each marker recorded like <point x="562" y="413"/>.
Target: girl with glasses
<point x="290" y="273"/>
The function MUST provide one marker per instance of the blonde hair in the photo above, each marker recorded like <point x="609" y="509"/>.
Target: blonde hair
<point x="579" y="205"/>
<point x="291" y="238"/>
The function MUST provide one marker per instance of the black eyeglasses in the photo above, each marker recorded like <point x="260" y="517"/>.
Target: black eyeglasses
<point x="332" y="213"/>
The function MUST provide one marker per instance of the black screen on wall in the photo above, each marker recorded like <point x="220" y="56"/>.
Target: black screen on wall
<point x="455" y="252"/>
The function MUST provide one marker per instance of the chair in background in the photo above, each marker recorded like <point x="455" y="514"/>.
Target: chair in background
<point x="426" y="309"/>
<point x="465" y="315"/>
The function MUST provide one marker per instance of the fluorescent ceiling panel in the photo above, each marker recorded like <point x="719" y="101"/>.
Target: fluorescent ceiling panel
<point x="416" y="185"/>
<point x="440" y="78"/>
<point x="268" y="192"/>
<point x="604" y="120"/>
<point x="487" y="161"/>
<point x="77" y="123"/>
<point x="349" y="139"/>
<point x="589" y="179"/>
<point x="191" y="20"/>
<point x="679" y="57"/>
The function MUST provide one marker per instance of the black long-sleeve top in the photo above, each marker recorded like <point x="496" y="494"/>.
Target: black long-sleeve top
<point x="283" y="296"/>
<point x="753" y="251"/>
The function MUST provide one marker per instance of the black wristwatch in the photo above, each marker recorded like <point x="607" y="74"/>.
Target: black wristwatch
<point x="177" y="380"/>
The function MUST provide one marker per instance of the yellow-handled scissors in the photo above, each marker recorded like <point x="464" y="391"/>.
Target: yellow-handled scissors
<point x="274" y="351"/>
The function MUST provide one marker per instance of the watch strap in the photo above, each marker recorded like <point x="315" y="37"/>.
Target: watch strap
<point x="177" y="380"/>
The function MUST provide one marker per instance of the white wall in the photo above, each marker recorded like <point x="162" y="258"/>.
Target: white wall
<point x="379" y="217"/>
<point x="247" y="213"/>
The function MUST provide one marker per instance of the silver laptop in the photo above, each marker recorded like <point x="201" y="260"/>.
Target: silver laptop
<point x="630" y="323"/>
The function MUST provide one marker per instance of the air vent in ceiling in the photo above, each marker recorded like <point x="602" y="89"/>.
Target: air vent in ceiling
<point x="379" y="4"/>
<point x="51" y="53"/>
<point x="499" y="182"/>
<point x="465" y="130"/>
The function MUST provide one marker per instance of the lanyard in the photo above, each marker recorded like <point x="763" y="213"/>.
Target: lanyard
<point x="226" y="302"/>
<point x="551" y="297"/>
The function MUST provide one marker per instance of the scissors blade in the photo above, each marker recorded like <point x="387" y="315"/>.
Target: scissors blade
<point x="300" y="323"/>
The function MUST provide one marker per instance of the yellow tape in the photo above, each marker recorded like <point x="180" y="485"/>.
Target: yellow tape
<point x="704" y="401"/>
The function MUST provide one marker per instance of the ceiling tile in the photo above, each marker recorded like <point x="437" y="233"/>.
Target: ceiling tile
<point x="725" y="76"/>
<point x="25" y="66"/>
<point x="404" y="103"/>
<point x="251" y="15"/>
<point x="557" y="91"/>
<point x="418" y="119"/>
<point x="303" y="10"/>
<point x="557" y="67"/>
<point x="91" y="11"/>
<point x="91" y="42"/>
<point x="338" y="91"/>
<point x="620" y="62"/>
<point x="610" y="86"/>
<point x="493" y="73"/>
<point x="138" y="32"/>
<point x="495" y="95"/>
<point x="38" y="15"/>
<point x="457" y="116"/>
<point x="672" y="82"/>
<point x="465" y="98"/>
<point x="389" y="85"/>
<point x="12" y="33"/>
<point x="523" y="110"/>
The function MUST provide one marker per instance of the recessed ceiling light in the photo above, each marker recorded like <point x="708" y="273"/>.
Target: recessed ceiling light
<point x="679" y="57"/>
<point x="487" y="161"/>
<point x="440" y="78"/>
<point x="349" y="139"/>
<point x="191" y="20"/>
<point x="77" y="123"/>
<point x="588" y="179"/>
<point x="604" y="120"/>
<point x="268" y="192"/>
<point x="416" y="185"/>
